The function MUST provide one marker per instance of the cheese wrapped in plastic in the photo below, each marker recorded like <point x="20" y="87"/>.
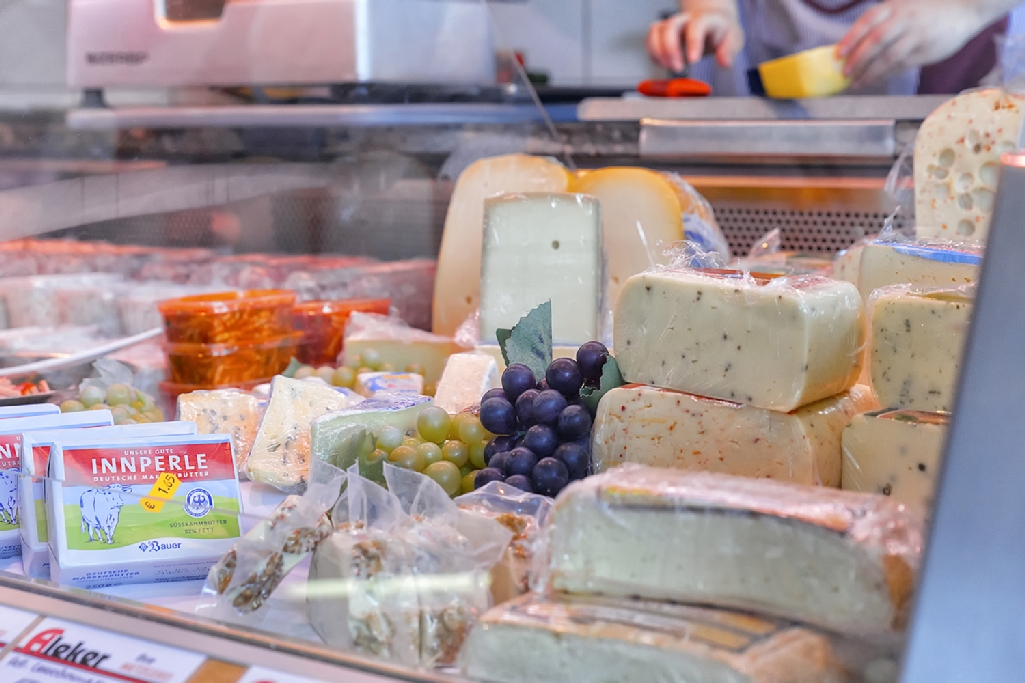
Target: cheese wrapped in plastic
<point x="664" y="428"/>
<point x="541" y="639"/>
<point x="841" y="560"/>
<point x="772" y="342"/>
<point x="886" y="262"/>
<point x="370" y="337"/>
<point x="225" y="411"/>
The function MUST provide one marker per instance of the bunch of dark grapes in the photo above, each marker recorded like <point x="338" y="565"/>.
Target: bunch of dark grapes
<point x="543" y="427"/>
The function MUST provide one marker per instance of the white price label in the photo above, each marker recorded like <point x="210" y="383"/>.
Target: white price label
<point x="12" y="623"/>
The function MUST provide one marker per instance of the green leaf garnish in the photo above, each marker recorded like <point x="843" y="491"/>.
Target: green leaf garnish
<point x="503" y="336"/>
<point x="530" y="340"/>
<point x="293" y="367"/>
<point x="611" y="378"/>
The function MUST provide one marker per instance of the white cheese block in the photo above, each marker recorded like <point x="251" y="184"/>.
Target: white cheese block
<point x="331" y="430"/>
<point x="467" y="377"/>
<point x="550" y="639"/>
<point x="224" y="411"/>
<point x="847" y="264"/>
<point x="896" y="453"/>
<point x="841" y="560"/>
<point x="370" y="383"/>
<point x="957" y="162"/>
<point x="917" y="340"/>
<point x="281" y="452"/>
<point x="541" y="247"/>
<point x="664" y="428"/>
<point x="893" y="263"/>
<point x="457" y="284"/>
<point x="776" y="344"/>
<point x="392" y="341"/>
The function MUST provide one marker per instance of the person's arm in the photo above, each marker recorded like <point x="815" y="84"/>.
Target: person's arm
<point x="902" y="34"/>
<point x="711" y="26"/>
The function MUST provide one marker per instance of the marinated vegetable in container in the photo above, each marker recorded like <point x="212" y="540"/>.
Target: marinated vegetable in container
<point x="323" y="326"/>
<point x="230" y="363"/>
<point x="226" y="317"/>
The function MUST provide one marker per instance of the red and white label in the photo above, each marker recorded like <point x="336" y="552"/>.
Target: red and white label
<point x="12" y="623"/>
<point x="10" y="451"/>
<point x="190" y="462"/>
<point x="40" y="459"/>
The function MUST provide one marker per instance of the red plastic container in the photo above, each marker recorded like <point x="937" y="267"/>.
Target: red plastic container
<point x="228" y="317"/>
<point x="230" y="363"/>
<point x="323" y="326"/>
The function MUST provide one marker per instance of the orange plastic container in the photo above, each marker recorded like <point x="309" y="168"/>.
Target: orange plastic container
<point x="323" y="326"/>
<point x="227" y="317"/>
<point x="230" y="363"/>
<point x="175" y="390"/>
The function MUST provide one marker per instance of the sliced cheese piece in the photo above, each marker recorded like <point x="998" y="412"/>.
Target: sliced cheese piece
<point x="394" y="342"/>
<point x="281" y="452"/>
<point x="537" y="639"/>
<point x="370" y="383"/>
<point x="664" y="428"/>
<point x="917" y="340"/>
<point x="457" y="284"/>
<point x="896" y="453"/>
<point x="928" y="265"/>
<point x="772" y="343"/>
<point x="848" y="264"/>
<point x="538" y="248"/>
<point x="957" y="162"/>
<point x="468" y="376"/>
<point x="224" y="411"/>
<point x="845" y="561"/>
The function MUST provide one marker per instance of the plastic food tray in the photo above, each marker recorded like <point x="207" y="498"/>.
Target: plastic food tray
<point x="230" y="363"/>
<point x="228" y="317"/>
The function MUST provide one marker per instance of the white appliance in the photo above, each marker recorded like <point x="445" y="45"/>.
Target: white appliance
<point x="164" y="43"/>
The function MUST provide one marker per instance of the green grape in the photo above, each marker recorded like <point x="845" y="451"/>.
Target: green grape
<point x="138" y="405"/>
<point x="130" y="410"/>
<point x="431" y="452"/>
<point x="325" y="373"/>
<point x="119" y="414"/>
<point x="99" y="406"/>
<point x="415" y="368"/>
<point x="364" y="370"/>
<point x="455" y="452"/>
<point x="457" y="419"/>
<point x="353" y="361"/>
<point x="344" y="377"/>
<point x="469" y="483"/>
<point x="154" y="415"/>
<point x="91" y="396"/>
<point x="118" y="394"/>
<point x="471" y="431"/>
<point x="72" y="407"/>
<point x="465" y="470"/>
<point x="304" y="372"/>
<point x="387" y="367"/>
<point x="408" y="458"/>
<point x="389" y="438"/>
<point x="372" y="358"/>
<point x="412" y="442"/>
<point x="433" y="424"/>
<point x="447" y="475"/>
<point x="477" y="454"/>
<point x="430" y="389"/>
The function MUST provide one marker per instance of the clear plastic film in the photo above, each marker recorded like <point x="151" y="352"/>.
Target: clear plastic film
<point x="840" y="560"/>
<point x="225" y="411"/>
<point x="893" y="259"/>
<point x="41" y="300"/>
<point x="388" y="339"/>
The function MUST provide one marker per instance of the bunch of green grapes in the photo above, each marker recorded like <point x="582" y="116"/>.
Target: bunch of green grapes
<point x="127" y="404"/>
<point x="447" y="448"/>
<point x="345" y="376"/>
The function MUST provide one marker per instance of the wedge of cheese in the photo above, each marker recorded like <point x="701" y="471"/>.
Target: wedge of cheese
<point x="845" y="561"/>
<point x="917" y="340"/>
<point x="777" y="343"/>
<point x="664" y="428"/>
<point x="392" y="341"/>
<point x="957" y="162"/>
<point x="224" y="411"/>
<point x="896" y="453"/>
<point x="927" y="265"/>
<point x="457" y="284"/>
<point x="468" y="376"/>
<point x="539" y="639"/>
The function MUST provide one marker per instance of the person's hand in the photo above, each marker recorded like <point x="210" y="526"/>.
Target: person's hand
<point x="902" y="34"/>
<point x="711" y="26"/>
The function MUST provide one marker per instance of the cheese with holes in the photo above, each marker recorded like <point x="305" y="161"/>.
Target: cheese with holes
<point x="917" y="340"/>
<point x="777" y="343"/>
<point x="957" y="162"/>
<point x="896" y="453"/>
<point x="281" y="451"/>
<point x="894" y="263"/>
<point x="594" y="640"/>
<point x="457" y="284"/>
<point x="664" y="428"/>
<point x="837" y="559"/>
<point x="468" y="376"/>
<point x="225" y="411"/>
<point x="538" y="248"/>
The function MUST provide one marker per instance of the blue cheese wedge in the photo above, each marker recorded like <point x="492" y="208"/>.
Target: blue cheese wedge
<point x="225" y="411"/>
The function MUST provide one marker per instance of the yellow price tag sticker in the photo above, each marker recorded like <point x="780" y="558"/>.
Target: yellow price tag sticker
<point x="163" y="490"/>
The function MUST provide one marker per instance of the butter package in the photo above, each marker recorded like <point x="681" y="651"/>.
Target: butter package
<point x="841" y="560"/>
<point x="34" y="410"/>
<point x="370" y="383"/>
<point x="771" y="342"/>
<point x="148" y="510"/>
<point x="225" y="411"/>
<point x="926" y="264"/>
<point x="11" y="463"/>
<point x="35" y="449"/>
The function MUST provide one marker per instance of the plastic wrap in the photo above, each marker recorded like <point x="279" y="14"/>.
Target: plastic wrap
<point x="892" y="259"/>
<point x="837" y="559"/>
<point x="92" y="305"/>
<point x="777" y="343"/>
<point x="227" y="317"/>
<point x="663" y="428"/>
<point x="36" y="301"/>
<point x="226" y="411"/>
<point x="137" y="304"/>
<point x="230" y="363"/>
<point x="916" y="339"/>
<point x="323" y="326"/>
<point x="62" y="339"/>
<point x="396" y="343"/>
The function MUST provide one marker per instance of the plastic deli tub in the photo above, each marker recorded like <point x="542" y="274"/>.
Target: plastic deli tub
<point x="225" y="317"/>
<point x="230" y="363"/>
<point x="323" y="326"/>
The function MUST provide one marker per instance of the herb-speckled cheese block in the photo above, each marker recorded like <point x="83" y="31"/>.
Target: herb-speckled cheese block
<point x="777" y="343"/>
<point x="893" y="263"/>
<point x="593" y="640"/>
<point x="896" y="453"/>
<point x="225" y="411"/>
<point x="917" y="340"/>
<point x="665" y="428"/>
<point x="281" y="452"/>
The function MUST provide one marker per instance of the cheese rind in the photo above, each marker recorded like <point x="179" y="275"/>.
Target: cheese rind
<point x="778" y="345"/>
<point x="896" y="453"/>
<point x="927" y="265"/>
<point x="591" y="640"/>
<point x="837" y="559"/>
<point x="917" y="340"/>
<point x="664" y="428"/>
<point x="467" y="377"/>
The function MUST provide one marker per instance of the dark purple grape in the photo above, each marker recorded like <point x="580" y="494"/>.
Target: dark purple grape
<point x="576" y="459"/>
<point x="520" y="482"/>
<point x="564" y="376"/>
<point x="516" y="379"/>
<point x="500" y="462"/>
<point x="499" y="444"/>
<point x="521" y="461"/>
<point x="542" y="440"/>
<point x="591" y="357"/>
<point x="542" y="385"/>
<point x="549" y="477"/>
<point x="493" y="393"/>
<point x="547" y="406"/>
<point x="525" y="407"/>
<point x="498" y="416"/>
<point x="486" y="476"/>
<point x="574" y="422"/>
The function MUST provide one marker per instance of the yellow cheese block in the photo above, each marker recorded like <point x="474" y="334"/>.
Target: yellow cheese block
<point x="812" y="73"/>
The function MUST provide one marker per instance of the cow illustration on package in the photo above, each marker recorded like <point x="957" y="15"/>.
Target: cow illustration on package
<point x="101" y="510"/>
<point x="9" y="496"/>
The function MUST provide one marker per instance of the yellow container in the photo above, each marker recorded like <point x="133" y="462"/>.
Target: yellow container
<point x="812" y="73"/>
